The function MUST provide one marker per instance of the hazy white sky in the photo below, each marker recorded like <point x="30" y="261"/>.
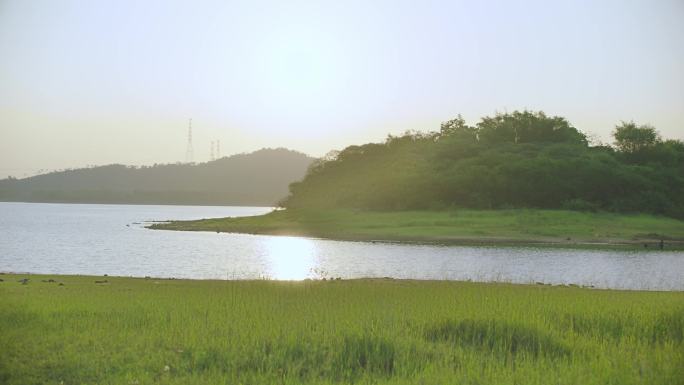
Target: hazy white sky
<point x="98" y="82"/>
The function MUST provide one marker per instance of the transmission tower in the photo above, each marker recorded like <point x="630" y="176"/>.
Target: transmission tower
<point x="218" y="149"/>
<point x="211" y="151"/>
<point x="189" y="155"/>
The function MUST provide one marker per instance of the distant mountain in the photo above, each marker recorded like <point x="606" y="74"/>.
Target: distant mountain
<point x="260" y="178"/>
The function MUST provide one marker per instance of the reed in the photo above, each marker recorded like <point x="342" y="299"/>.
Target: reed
<point x="144" y="331"/>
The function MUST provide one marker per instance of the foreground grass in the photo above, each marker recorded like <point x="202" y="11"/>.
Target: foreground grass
<point x="142" y="331"/>
<point x="455" y="226"/>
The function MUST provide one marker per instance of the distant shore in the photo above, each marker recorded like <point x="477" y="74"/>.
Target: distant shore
<point x="517" y="227"/>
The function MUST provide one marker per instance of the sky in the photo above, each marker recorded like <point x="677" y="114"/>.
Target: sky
<point x="98" y="82"/>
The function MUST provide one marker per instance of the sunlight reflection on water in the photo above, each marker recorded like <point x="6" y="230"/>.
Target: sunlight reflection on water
<point x="290" y="258"/>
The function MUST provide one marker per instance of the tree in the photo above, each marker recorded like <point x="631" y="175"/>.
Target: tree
<point x="517" y="159"/>
<point x="631" y="138"/>
<point x="528" y="127"/>
<point x="457" y="128"/>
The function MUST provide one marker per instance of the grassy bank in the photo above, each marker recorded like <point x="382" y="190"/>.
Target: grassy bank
<point x="142" y="331"/>
<point x="455" y="226"/>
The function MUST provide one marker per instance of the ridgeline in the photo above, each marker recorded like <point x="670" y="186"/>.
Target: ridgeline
<point x="259" y="178"/>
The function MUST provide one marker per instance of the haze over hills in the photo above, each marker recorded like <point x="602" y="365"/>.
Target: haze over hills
<point x="260" y="178"/>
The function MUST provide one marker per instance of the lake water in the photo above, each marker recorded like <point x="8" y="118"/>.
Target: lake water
<point x="111" y="239"/>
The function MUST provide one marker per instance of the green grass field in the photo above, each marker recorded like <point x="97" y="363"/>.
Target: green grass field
<point x="144" y="331"/>
<point x="456" y="226"/>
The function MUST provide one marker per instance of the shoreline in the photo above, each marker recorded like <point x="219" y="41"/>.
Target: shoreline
<point x="105" y="203"/>
<point x="99" y="278"/>
<point x="345" y="225"/>
<point x="632" y="245"/>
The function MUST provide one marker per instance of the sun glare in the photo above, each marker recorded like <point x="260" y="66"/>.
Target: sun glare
<point x="301" y="71"/>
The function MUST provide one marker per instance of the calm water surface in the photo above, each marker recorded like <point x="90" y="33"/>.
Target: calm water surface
<point x="111" y="239"/>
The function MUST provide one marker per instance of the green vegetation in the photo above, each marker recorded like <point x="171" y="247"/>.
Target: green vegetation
<point x="517" y="160"/>
<point x="544" y="181"/>
<point x="455" y="226"/>
<point x="142" y="331"/>
<point x="256" y="179"/>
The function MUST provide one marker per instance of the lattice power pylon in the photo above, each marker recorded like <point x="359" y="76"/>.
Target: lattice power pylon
<point x="189" y="154"/>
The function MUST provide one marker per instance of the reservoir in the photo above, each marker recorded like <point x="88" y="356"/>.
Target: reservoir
<point x="96" y="239"/>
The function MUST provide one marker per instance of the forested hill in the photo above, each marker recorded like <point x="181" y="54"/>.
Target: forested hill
<point x="259" y="179"/>
<point x="516" y="160"/>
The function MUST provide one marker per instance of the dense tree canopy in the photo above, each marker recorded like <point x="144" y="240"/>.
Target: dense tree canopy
<point x="519" y="159"/>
